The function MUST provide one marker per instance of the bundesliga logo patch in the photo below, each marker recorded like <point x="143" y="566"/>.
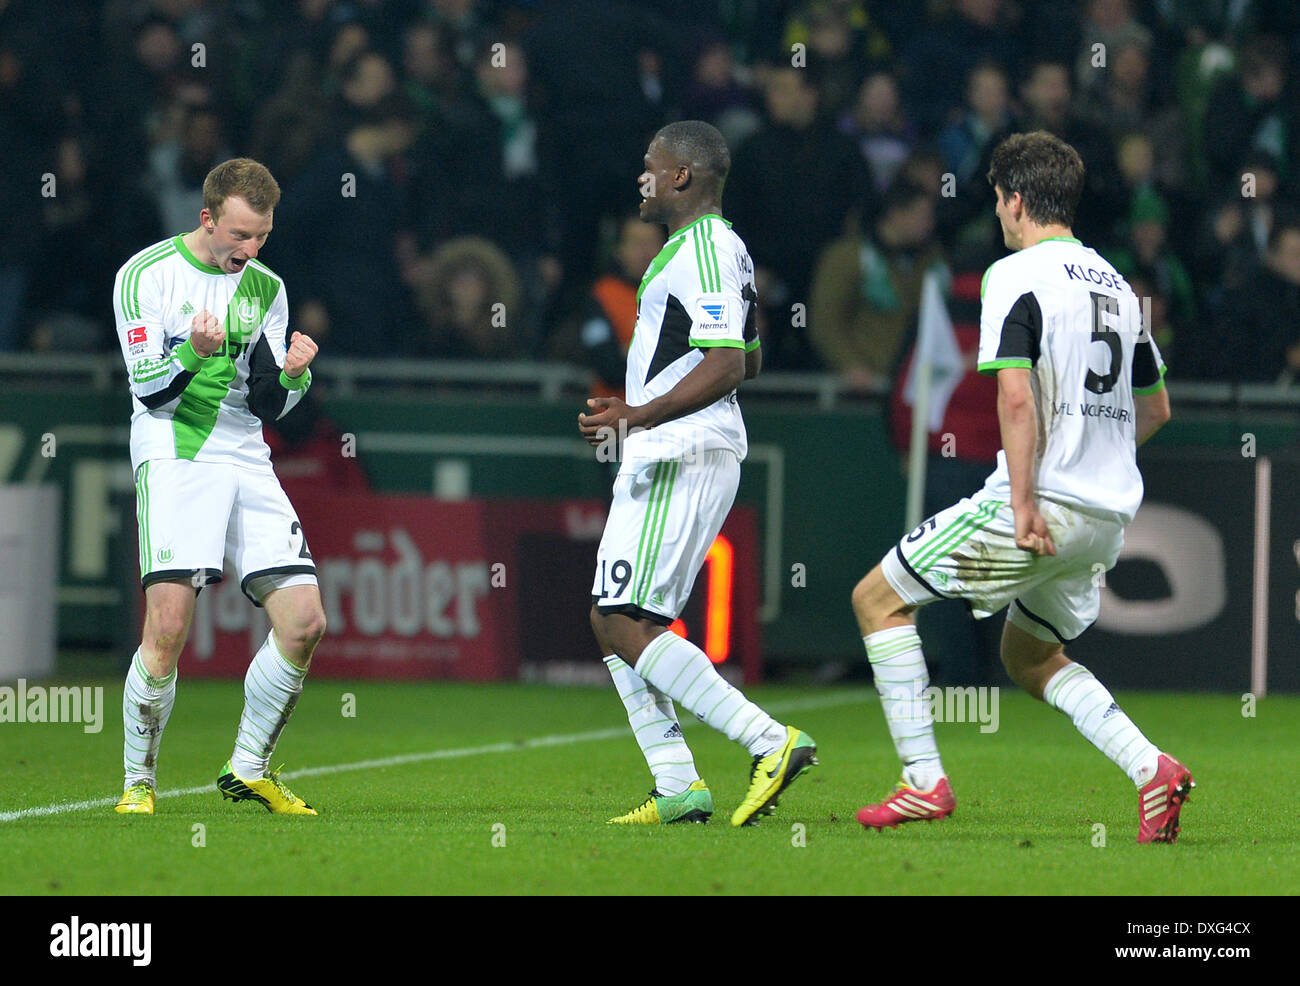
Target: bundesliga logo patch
<point x="137" y="339"/>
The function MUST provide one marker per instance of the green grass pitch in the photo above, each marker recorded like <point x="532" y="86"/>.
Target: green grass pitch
<point x="506" y="788"/>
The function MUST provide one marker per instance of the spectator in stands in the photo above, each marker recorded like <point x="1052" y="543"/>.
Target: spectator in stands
<point x="883" y="133"/>
<point x="606" y="322"/>
<point x="1258" y="329"/>
<point x="1253" y="111"/>
<point x="177" y="167"/>
<point x="717" y="95"/>
<point x="470" y="31"/>
<point x="1232" y="244"/>
<point x="1260" y="184"/>
<point x="335" y="239"/>
<point x="28" y="130"/>
<point x="515" y="212"/>
<point x="1147" y="255"/>
<point x="469" y="299"/>
<point x="432" y="78"/>
<point x="366" y="81"/>
<point x="938" y="61"/>
<point x="69" y="277"/>
<point x="1047" y="96"/>
<point x="867" y="289"/>
<point x="986" y="116"/>
<point x="833" y="51"/>
<point x="1120" y="96"/>
<point x="591" y="95"/>
<point x="290" y="125"/>
<point x="793" y="187"/>
<point x="1113" y="41"/>
<point x="867" y="37"/>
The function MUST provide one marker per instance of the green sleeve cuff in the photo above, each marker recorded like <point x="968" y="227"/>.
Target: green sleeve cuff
<point x="1154" y="388"/>
<point x="717" y="344"/>
<point x="992" y="367"/>
<point x="301" y="382"/>
<point x="753" y="344"/>
<point x="191" y="360"/>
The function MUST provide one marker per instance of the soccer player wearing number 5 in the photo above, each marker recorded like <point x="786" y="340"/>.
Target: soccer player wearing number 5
<point x="202" y="326"/>
<point x="1080" y="386"/>
<point x="682" y="443"/>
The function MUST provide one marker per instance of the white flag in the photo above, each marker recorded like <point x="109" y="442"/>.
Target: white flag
<point x="936" y="349"/>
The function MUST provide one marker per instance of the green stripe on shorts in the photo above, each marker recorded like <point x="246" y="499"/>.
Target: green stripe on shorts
<point x="953" y="535"/>
<point x="660" y="509"/>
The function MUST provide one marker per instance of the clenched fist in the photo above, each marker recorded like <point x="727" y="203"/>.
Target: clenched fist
<point x="206" y="334"/>
<point x="301" y="352"/>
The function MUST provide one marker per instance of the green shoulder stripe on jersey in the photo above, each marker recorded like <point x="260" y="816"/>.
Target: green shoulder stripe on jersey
<point x="130" y="296"/>
<point x="992" y="366"/>
<point x="696" y="222"/>
<point x="192" y="260"/>
<point x="658" y="264"/>
<point x="717" y="343"/>
<point x="984" y="281"/>
<point x="706" y="259"/>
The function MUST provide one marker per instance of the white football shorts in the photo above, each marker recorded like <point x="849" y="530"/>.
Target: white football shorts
<point x="969" y="552"/>
<point x="664" y="518"/>
<point x="195" y="516"/>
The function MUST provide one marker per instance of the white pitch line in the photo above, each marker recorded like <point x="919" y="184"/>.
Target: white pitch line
<point x="537" y="742"/>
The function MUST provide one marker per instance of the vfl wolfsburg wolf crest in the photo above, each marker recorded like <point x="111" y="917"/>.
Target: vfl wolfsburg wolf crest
<point x="248" y="312"/>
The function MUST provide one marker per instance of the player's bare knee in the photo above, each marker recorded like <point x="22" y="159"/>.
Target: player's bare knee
<point x="304" y="631"/>
<point x="874" y="601"/>
<point x="165" y="630"/>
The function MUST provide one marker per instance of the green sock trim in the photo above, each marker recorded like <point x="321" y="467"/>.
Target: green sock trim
<point x="150" y="680"/>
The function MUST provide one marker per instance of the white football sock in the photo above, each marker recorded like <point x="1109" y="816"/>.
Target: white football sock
<point x="657" y="731"/>
<point x="1103" y="723"/>
<point x="146" y="705"/>
<point x="680" y="670"/>
<point x="271" y="690"/>
<point x="898" y="668"/>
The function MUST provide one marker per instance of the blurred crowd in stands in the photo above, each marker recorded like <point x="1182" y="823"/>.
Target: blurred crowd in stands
<point x="459" y="176"/>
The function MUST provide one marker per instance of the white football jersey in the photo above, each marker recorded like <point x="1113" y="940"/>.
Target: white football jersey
<point x="184" y="406"/>
<point x="1062" y="310"/>
<point x="698" y="293"/>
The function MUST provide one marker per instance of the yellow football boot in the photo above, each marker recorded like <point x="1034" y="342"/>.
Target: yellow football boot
<point x="695" y="804"/>
<point x="772" y="774"/>
<point x="138" y="799"/>
<point x="269" y="792"/>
